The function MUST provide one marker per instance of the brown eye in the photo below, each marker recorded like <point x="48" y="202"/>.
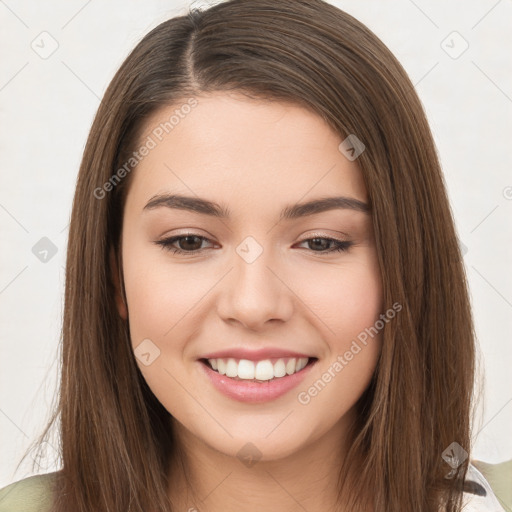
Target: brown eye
<point x="187" y="244"/>
<point x="323" y="245"/>
<point x="190" y="243"/>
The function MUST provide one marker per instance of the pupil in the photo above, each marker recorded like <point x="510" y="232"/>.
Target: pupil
<point x="320" y="241"/>
<point x="187" y="240"/>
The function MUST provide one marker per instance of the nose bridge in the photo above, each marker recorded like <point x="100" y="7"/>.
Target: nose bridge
<point x="251" y="270"/>
<point x="253" y="294"/>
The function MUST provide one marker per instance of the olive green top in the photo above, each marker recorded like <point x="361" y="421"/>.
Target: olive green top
<point x="33" y="494"/>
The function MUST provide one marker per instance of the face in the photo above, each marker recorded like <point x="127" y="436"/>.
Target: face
<point x="261" y="285"/>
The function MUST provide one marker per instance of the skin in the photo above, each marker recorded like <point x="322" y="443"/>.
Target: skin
<point x="255" y="158"/>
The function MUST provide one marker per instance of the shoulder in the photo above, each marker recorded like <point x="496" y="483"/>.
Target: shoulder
<point x="32" y="494"/>
<point x="488" y="487"/>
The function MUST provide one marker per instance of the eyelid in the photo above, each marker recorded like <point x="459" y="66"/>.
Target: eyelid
<point x="319" y="234"/>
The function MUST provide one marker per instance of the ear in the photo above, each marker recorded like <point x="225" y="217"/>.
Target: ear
<point x="118" y="285"/>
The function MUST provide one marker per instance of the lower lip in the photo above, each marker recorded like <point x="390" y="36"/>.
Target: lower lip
<point x="255" y="392"/>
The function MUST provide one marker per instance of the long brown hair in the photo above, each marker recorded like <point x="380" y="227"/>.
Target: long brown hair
<point x="115" y="437"/>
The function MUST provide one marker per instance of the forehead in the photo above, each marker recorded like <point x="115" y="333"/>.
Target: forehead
<point x="228" y="146"/>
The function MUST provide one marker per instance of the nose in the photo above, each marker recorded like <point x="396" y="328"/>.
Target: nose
<point x="254" y="293"/>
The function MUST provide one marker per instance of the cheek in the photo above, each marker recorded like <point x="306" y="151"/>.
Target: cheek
<point x="348" y="302"/>
<point x="159" y="295"/>
<point x="358" y="305"/>
<point x="353" y="344"/>
<point x="158" y="303"/>
<point x="346" y="299"/>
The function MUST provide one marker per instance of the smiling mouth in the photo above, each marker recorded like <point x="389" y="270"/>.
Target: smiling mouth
<point x="258" y="371"/>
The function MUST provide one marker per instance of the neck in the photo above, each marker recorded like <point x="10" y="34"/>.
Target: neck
<point x="205" y="480"/>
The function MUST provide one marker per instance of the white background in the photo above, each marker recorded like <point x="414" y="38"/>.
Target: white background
<point x="46" y="109"/>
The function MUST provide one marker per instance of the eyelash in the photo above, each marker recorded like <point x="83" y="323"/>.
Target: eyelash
<point x="166" y="244"/>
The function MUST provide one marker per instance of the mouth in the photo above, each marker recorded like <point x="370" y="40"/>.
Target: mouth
<point x="260" y="371"/>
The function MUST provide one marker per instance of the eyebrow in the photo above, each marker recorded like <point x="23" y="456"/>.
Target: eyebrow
<point x="205" y="207"/>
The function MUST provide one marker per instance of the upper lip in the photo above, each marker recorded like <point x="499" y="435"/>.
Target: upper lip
<point x="253" y="355"/>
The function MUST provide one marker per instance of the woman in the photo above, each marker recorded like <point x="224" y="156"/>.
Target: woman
<point x="265" y="302"/>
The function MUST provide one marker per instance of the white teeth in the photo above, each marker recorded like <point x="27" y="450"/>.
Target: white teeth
<point x="303" y="361"/>
<point x="231" y="368"/>
<point x="260" y="370"/>
<point x="290" y="366"/>
<point x="279" y="368"/>
<point x="246" y="369"/>
<point x="221" y="366"/>
<point x="264" y="370"/>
